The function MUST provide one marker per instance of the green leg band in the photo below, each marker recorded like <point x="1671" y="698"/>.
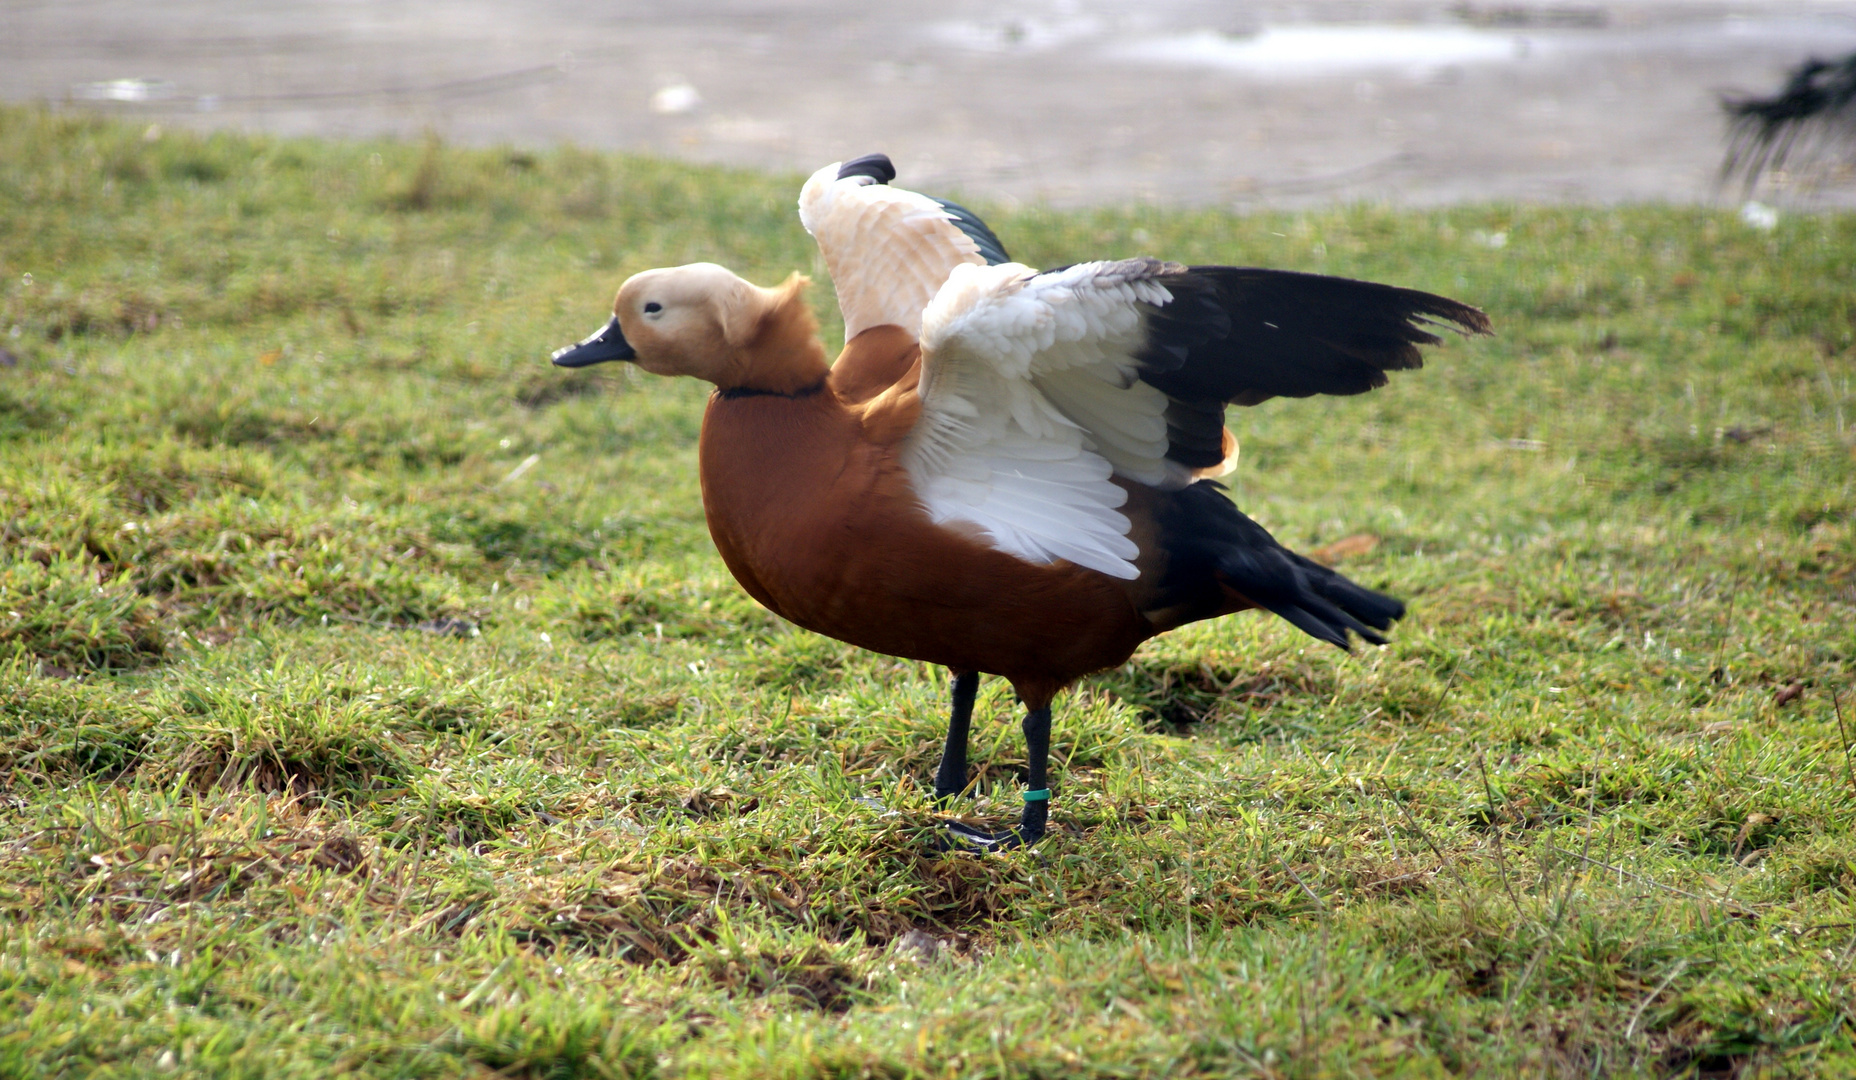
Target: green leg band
<point x="1042" y="795"/>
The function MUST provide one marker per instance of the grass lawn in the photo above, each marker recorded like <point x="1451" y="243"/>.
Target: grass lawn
<point x="372" y="701"/>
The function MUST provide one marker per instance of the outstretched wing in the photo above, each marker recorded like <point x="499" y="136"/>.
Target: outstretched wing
<point x="1031" y="401"/>
<point x="1037" y="388"/>
<point x="1240" y="335"/>
<point x="888" y="249"/>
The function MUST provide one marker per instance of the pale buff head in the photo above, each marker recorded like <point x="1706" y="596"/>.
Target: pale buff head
<point x="700" y="320"/>
<point x="689" y="320"/>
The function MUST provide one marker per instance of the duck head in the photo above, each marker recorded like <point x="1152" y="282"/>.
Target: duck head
<point x="704" y="321"/>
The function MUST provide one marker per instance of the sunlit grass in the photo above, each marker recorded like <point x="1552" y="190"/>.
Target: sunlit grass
<point x="373" y="700"/>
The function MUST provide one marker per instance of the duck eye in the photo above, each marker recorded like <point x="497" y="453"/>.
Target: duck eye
<point x="653" y="308"/>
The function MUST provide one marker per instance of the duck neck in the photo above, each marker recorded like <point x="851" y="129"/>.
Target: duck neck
<point x="735" y="393"/>
<point x="784" y="357"/>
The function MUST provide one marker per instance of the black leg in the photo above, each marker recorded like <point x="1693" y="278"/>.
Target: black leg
<point x="1037" y="798"/>
<point x="951" y="778"/>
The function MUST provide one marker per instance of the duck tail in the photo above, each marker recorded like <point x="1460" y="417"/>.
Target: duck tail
<point x="1244" y="559"/>
<point x="1316" y="600"/>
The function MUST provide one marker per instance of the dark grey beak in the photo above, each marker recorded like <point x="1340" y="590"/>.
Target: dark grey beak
<point x="606" y="343"/>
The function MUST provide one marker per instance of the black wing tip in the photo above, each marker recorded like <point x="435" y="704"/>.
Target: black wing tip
<point x="977" y="230"/>
<point x="880" y="169"/>
<point x="1451" y="314"/>
<point x="876" y="166"/>
<point x="1413" y="305"/>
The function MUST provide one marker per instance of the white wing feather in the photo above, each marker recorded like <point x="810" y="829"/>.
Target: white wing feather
<point x="888" y="249"/>
<point x="1031" y="402"/>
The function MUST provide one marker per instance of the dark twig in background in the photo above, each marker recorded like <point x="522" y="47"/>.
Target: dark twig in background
<point x="1814" y="114"/>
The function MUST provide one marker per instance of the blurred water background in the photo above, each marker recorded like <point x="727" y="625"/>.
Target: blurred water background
<point x="1072" y="102"/>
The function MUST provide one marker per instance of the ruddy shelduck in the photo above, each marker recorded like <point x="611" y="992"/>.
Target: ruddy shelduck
<point x="1006" y="471"/>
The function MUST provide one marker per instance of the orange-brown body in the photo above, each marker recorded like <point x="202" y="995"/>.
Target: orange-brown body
<point x="810" y="505"/>
<point x="813" y="513"/>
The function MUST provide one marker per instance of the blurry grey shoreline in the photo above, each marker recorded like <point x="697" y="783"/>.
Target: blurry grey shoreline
<point x="1068" y="102"/>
